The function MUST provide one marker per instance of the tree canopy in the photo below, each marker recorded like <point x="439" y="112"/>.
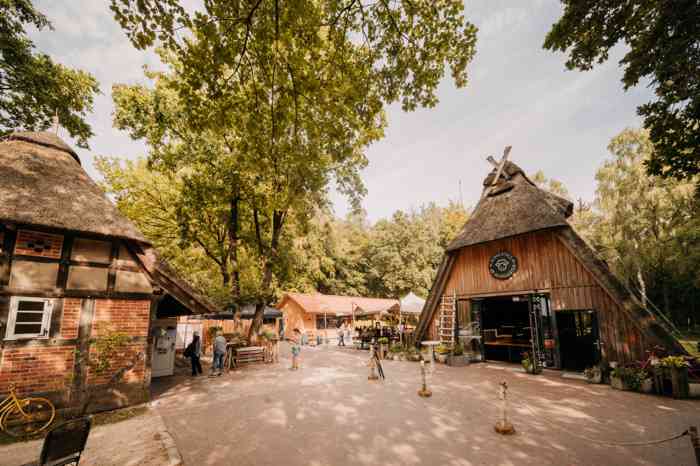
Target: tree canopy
<point x="33" y="88"/>
<point x="266" y="102"/>
<point x="646" y="227"/>
<point x="663" y="47"/>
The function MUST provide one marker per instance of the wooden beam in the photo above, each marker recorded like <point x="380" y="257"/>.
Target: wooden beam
<point x="113" y="257"/>
<point x="6" y="257"/>
<point x="504" y="159"/>
<point x="80" y="367"/>
<point x="66" y="250"/>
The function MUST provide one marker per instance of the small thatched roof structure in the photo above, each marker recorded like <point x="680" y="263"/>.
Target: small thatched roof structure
<point x="510" y="208"/>
<point x="43" y="184"/>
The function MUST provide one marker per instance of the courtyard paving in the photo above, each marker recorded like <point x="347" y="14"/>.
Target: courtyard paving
<point x="328" y="413"/>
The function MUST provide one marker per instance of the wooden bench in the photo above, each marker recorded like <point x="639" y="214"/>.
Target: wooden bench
<point x="250" y="355"/>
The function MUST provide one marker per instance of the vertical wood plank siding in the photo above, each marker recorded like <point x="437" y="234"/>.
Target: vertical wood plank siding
<point x="546" y="265"/>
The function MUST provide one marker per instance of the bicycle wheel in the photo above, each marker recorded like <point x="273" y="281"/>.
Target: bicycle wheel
<point x="36" y="415"/>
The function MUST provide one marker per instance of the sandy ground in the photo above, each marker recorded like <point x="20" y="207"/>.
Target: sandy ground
<point x="132" y="442"/>
<point x="328" y="413"/>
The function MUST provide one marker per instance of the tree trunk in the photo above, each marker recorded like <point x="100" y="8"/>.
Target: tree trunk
<point x="642" y="287"/>
<point x="233" y="246"/>
<point x="265" y="285"/>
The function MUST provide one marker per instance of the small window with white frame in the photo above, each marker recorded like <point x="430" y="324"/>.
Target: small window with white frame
<point x="29" y="318"/>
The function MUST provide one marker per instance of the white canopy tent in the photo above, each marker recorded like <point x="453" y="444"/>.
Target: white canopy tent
<point x="411" y="304"/>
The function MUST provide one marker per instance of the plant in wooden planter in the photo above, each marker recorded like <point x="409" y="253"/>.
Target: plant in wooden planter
<point x="412" y="354"/>
<point x="457" y="358"/>
<point x="396" y="352"/>
<point x="529" y="365"/>
<point x="441" y="352"/>
<point x="593" y="374"/>
<point x="677" y="366"/>
<point x="627" y="378"/>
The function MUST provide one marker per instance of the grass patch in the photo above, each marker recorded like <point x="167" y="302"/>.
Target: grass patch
<point x="119" y="415"/>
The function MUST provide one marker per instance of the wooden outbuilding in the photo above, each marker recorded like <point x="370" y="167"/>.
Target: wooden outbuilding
<point x="74" y="271"/>
<point x="312" y="313"/>
<point x="518" y="278"/>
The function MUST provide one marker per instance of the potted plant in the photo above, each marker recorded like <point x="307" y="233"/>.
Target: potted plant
<point x="396" y="352"/>
<point x="677" y="366"/>
<point x="457" y="358"/>
<point x="593" y="374"/>
<point x="412" y="354"/>
<point x="627" y="378"/>
<point x="441" y="352"/>
<point x="383" y="346"/>
<point x="529" y="365"/>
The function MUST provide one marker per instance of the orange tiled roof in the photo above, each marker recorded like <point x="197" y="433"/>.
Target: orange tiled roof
<point x="318" y="303"/>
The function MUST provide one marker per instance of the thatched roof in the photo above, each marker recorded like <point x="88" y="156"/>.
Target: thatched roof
<point x="512" y="207"/>
<point x="43" y="184"/>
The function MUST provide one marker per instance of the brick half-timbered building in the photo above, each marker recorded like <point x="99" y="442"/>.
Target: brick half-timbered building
<point x="73" y="270"/>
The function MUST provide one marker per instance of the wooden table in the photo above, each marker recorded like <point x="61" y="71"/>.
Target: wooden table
<point x="508" y="344"/>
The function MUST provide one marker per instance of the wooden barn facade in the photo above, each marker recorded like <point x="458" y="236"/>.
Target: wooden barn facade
<point x="73" y="270"/>
<point x="519" y="279"/>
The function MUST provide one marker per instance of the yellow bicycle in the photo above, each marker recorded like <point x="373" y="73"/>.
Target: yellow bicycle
<point x="20" y="417"/>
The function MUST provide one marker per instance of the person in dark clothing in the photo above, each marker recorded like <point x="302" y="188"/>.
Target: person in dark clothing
<point x="194" y="351"/>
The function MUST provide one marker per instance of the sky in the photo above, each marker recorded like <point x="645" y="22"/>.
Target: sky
<point x="518" y="94"/>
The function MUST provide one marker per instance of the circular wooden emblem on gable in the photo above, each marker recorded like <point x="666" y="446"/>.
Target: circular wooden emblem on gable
<point x="503" y="265"/>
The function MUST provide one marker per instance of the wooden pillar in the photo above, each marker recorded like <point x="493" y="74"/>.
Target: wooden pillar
<point x="80" y="368"/>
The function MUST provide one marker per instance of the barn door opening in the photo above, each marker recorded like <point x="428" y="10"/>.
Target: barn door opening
<point x="579" y="344"/>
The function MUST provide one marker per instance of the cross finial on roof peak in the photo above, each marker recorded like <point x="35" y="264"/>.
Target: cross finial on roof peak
<point x="500" y="165"/>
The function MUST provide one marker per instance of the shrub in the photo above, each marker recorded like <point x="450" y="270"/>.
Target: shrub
<point x="674" y="361"/>
<point x="442" y="349"/>
<point x="383" y="340"/>
<point x="396" y="349"/>
<point x="630" y="376"/>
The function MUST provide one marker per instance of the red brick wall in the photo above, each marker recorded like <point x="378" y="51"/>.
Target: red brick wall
<point x="34" y="243"/>
<point x="37" y="369"/>
<point x="70" y="320"/>
<point x="125" y="316"/>
<point x="121" y="315"/>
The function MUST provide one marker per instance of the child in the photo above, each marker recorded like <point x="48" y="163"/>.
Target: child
<point x="296" y="349"/>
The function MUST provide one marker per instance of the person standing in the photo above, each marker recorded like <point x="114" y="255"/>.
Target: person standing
<point x="296" y="349"/>
<point x="219" y="353"/>
<point x="194" y="352"/>
<point x="341" y="335"/>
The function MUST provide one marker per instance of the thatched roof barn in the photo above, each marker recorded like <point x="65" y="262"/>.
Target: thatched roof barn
<point x="73" y="270"/>
<point x="518" y="273"/>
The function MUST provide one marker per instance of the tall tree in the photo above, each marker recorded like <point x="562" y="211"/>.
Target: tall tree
<point x="34" y="89"/>
<point x="663" y="40"/>
<point x="295" y="90"/>
<point x="647" y="224"/>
